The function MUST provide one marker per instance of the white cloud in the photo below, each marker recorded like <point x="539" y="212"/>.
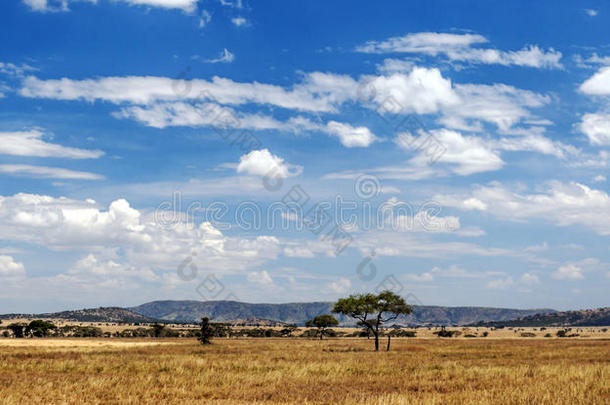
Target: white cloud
<point x="568" y="272"/>
<point x="106" y="272"/>
<point x="260" y="277"/>
<point x="529" y="279"/>
<point x="455" y="154"/>
<point x="599" y="178"/>
<point x="233" y="4"/>
<point x="47" y="172"/>
<point x="464" y="154"/>
<point x="171" y="114"/>
<point x="536" y="143"/>
<point x="239" y="21"/>
<point x="597" y="128"/>
<point x="423" y="277"/>
<point x="12" y="69"/>
<point x="225" y="57"/>
<point x="422" y="91"/>
<point x="63" y="5"/>
<point x="350" y="136"/>
<point x="144" y="242"/>
<point x="598" y="84"/>
<point x="459" y="48"/>
<point x="263" y="163"/>
<point x="31" y="143"/>
<point x="455" y="271"/>
<point x="499" y="104"/>
<point x="10" y="269"/>
<point x="341" y="286"/>
<point x="501" y="283"/>
<point x="318" y="92"/>
<point x="562" y="204"/>
<point x="590" y="12"/>
<point x="204" y="18"/>
<point x="298" y="252"/>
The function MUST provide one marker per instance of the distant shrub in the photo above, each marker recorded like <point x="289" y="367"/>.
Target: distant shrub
<point x="485" y="334"/>
<point x="447" y="333"/>
<point x="561" y="333"/>
<point x="470" y="335"/>
<point x="528" y="334"/>
<point x="403" y="333"/>
<point x="548" y="335"/>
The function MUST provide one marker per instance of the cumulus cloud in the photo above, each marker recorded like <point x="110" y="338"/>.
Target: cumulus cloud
<point x="31" y="143"/>
<point x="262" y="163"/>
<point x="46" y="172"/>
<point x="563" y="204"/>
<point x="422" y="91"/>
<point x="598" y="84"/>
<point x="351" y="136"/>
<point x="10" y="269"/>
<point x="460" y="48"/>
<point x="597" y="128"/>
<point x="260" y="277"/>
<point x="143" y="240"/>
<point x="568" y="272"/>
<point x="341" y="286"/>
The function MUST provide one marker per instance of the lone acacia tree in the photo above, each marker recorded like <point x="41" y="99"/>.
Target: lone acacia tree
<point x="207" y="331"/>
<point x="322" y="322"/>
<point x="372" y="310"/>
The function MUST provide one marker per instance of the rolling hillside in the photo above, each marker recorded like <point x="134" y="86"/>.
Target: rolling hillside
<point x="588" y="317"/>
<point x="299" y="313"/>
<point x="102" y="314"/>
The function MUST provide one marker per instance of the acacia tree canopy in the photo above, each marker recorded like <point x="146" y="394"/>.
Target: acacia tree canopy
<point x="373" y="310"/>
<point x="322" y="322"/>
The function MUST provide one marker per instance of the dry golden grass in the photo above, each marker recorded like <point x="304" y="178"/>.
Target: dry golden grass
<point x="140" y="371"/>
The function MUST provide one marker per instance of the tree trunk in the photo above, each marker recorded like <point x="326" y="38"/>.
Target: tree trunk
<point x="321" y="333"/>
<point x="376" y="341"/>
<point x="388" y="348"/>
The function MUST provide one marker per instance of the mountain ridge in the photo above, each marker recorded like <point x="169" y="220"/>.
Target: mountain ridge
<point x="584" y="317"/>
<point x="299" y="312"/>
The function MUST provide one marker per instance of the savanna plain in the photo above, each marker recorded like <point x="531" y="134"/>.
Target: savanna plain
<point x="305" y="371"/>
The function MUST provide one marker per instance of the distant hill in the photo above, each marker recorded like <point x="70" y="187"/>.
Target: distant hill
<point x="299" y="313"/>
<point x="585" y="317"/>
<point x="108" y="314"/>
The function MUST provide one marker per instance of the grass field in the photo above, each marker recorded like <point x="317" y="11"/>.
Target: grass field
<point x="440" y="371"/>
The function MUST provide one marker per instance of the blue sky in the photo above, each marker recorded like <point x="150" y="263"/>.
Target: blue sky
<point x="467" y="143"/>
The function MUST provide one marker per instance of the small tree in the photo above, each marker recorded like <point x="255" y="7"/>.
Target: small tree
<point x="372" y="311"/>
<point x="17" y="329"/>
<point x="158" y="330"/>
<point x="322" y="322"/>
<point x="207" y="331"/>
<point x="39" y="328"/>
<point x="289" y="330"/>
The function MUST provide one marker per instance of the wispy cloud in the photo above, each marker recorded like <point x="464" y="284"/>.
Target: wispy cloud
<point x="48" y="172"/>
